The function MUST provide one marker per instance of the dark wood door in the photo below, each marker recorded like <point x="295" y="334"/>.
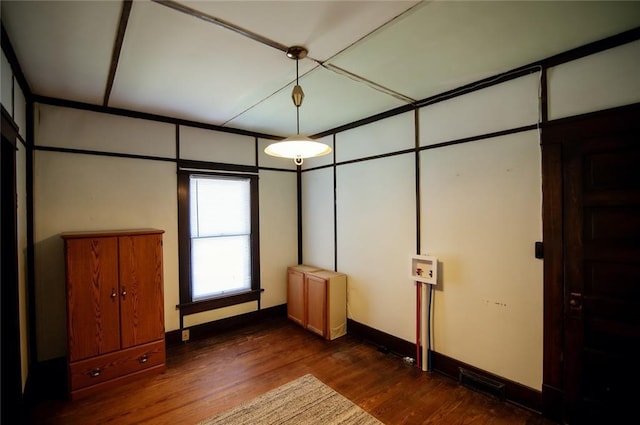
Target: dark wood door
<point x="93" y="323"/>
<point x="601" y="194"/>
<point x="10" y="365"/>
<point x="141" y="291"/>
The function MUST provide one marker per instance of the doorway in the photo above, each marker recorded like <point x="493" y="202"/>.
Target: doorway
<point x="591" y="217"/>
<point x="11" y="364"/>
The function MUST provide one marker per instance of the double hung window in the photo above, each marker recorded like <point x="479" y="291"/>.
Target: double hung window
<point x="218" y="240"/>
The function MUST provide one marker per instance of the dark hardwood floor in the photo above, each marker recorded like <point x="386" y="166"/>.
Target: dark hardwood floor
<point x="208" y="376"/>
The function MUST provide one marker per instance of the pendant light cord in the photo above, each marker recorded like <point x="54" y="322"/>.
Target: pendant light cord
<point x="297" y="106"/>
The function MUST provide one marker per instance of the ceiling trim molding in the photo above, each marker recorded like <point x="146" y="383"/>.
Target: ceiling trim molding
<point x="368" y="120"/>
<point x="147" y="116"/>
<point x="481" y="84"/>
<point x="591" y="48"/>
<point x="372" y="84"/>
<point x="478" y="85"/>
<point x="117" y="48"/>
<point x="222" y="23"/>
<point x="102" y="153"/>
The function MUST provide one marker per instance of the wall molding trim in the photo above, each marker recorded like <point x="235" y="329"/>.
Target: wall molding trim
<point x="515" y="393"/>
<point x="205" y="330"/>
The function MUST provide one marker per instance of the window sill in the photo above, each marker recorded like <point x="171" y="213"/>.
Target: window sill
<point x="219" y="302"/>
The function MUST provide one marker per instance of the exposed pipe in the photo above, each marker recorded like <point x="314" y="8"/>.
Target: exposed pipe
<point x="418" y="321"/>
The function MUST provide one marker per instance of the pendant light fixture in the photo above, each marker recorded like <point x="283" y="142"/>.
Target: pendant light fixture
<point x="298" y="146"/>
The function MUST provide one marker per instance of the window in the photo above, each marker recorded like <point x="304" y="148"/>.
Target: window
<point x="219" y="262"/>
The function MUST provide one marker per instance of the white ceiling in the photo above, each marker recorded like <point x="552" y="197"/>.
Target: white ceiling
<point x="178" y="65"/>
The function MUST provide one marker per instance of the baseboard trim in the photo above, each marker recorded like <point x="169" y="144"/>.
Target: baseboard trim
<point x="514" y="392"/>
<point x="384" y="341"/>
<point x="205" y="330"/>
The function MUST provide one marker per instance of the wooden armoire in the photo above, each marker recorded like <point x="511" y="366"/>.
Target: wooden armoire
<point x="115" y="308"/>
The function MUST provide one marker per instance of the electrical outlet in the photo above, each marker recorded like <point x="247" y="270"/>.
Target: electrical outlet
<point x="185" y="335"/>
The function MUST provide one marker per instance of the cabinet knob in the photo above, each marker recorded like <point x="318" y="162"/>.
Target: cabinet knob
<point x="143" y="358"/>
<point x="124" y="292"/>
<point x="95" y="372"/>
<point x="113" y="293"/>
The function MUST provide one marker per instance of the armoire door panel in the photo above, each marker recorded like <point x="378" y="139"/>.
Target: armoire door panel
<point x="92" y="287"/>
<point x="141" y="292"/>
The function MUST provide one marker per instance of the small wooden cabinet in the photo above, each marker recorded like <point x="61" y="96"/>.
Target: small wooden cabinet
<point x="317" y="300"/>
<point x="115" y="308"/>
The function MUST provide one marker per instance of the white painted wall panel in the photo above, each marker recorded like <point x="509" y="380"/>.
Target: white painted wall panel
<point x="318" y="219"/>
<point x="504" y="106"/>
<point x="278" y="233"/>
<point x="6" y="84"/>
<point x="93" y="131"/>
<point x="19" y="110"/>
<point x="376" y="221"/>
<point x="216" y="146"/>
<point x="390" y="135"/>
<point x="481" y="215"/>
<point x="86" y="192"/>
<point x="600" y="81"/>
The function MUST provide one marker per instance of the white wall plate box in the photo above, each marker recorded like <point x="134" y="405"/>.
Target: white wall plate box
<point x="424" y="268"/>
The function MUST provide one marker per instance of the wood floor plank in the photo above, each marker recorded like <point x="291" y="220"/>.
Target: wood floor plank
<point x="208" y="376"/>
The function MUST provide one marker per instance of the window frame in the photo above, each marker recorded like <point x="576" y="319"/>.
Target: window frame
<point x="187" y="169"/>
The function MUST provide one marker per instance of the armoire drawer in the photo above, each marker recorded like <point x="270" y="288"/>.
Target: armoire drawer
<point x="113" y="365"/>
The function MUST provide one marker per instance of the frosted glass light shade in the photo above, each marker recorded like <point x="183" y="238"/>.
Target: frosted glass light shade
<point x="297" y="147"/>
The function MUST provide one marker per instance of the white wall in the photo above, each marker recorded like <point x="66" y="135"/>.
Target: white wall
<point x="85" y="191"/>
<point x="376" y="236"/>
<point x="318" y="239"/>
<point x="480" y="209"/>
<point x="278" y="233"/>
<point x="91" y="131"/>
<point x="481" y="215"/>
<point x="600" y="81"/>
<point x="14" y="103"/>
<point x="74" y="192"/>
<point x="6" y="84"/>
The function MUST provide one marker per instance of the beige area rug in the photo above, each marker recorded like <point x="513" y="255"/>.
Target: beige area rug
<point x="305" y="400"/>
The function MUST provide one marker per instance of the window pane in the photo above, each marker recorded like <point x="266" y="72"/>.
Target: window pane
<point x="220" y="264"/>
<point x="220" y="206"/>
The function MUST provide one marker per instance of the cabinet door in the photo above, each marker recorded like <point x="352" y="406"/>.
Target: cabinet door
<point x="317" y="305"/>
<point x="295" y="296"/>
<point x="93" y="323"/>
<point x="141" y="291"/>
